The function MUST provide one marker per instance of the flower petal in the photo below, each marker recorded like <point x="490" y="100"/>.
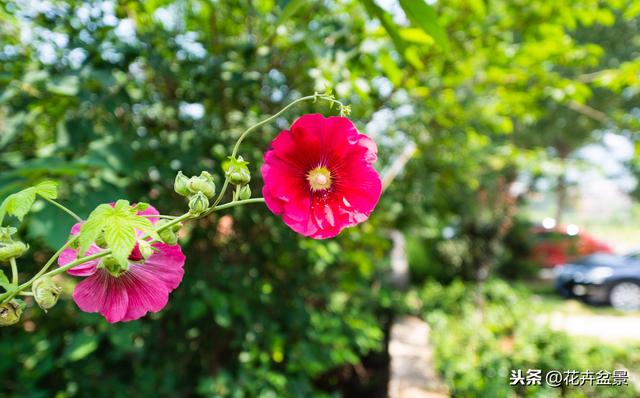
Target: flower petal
<point x="85" y="269"/>
<point x="145" y="291"/>
<point x="102" y="293"/>
<point x="166" y="264"/>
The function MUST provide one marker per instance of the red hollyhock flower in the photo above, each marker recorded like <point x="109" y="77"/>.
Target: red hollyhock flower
<point x="319" y="176"/>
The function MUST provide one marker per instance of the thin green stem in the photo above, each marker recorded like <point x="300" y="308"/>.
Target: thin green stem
<point x="314" y="97"/>
<point x="236" y="147"/>
<point x="222" y="191"/>
<point x="159" y="216"/>
<point x="14" y="271"/>
<point x="72" y="264"/>
<point x="233" y="204"/>
<point x="65" y="209"/>
<point x="55" y="257"/>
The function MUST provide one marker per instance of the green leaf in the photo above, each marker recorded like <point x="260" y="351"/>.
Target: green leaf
<point x="65" y="85"/>
<point x="81" y="346"/>
<point x="289" y="10"/>
<point x="390" y="69"/>
<point x="47" y="189"/>
<point x="387" y="22"/>
<point x="119" y="224"/>
<point x="90" y="230"/>
<point x="4" y="281"/>
<point x="121" y="239"/>
<point x="423" y="15"/>
<point x="19" y="203"/>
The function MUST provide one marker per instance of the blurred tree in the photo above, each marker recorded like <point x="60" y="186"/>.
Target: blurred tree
<point x="113" y="98"/>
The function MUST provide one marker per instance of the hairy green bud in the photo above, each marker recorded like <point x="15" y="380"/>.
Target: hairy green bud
<point x="101" y="242"/>
<point x="181" y="184"/>
<point x="169" y="235"/>
<point x="12" y="249"/>
<point x="10" y="313"/>
<point x="236" y="170"/>
<point x="6" y="232"/>
<point x="145" y="249"/>
<point x="45" y="292"/>
<point x="198" y="204"/>
<point x="244" y="193"/>
<point x="202" y="184"/>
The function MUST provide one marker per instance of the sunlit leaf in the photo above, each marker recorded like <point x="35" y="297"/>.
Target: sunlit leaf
<point x="19" y="203"/>
<point x="423" y="15"/>
<point x="4" y="281"/>
<point x="387" y="22"/>
<point x="292" y="7"/>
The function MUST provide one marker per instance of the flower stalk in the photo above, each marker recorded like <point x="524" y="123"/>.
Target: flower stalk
<point x="198" y="190"/>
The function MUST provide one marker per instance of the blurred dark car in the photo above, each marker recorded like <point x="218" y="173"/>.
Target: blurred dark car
<point x="602" y="278"/>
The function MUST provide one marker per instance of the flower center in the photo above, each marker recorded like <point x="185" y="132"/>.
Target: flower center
<point x="319" y="178"/>
<point x="113" y="267"/>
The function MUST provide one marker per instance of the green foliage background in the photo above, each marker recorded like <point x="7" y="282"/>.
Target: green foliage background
<point x="100" y="95"/>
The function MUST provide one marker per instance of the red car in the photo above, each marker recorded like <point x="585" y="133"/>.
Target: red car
<point x="555" y="246"/>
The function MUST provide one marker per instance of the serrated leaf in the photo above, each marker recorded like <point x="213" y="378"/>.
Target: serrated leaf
<point x="47" y="189"/>
<point x="121" y="239"/>
<point x="144" y="225"/>
<point x="19" y="203"/>
<point x="119" y="224"/>
<point x="4" y="281"/>
<point x="424" y="16"/>
<point x="89" y="232"/>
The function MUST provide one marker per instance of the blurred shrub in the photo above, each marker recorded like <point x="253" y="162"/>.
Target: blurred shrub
<point x="517" y="261"/>
<point x="475" y="350"/>
<point x="112" y="99"/>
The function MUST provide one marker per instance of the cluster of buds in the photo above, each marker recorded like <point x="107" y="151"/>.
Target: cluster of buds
<point x="10" y="249"/>
<point x="198" y="189"/>
<point x="237" y="172"/>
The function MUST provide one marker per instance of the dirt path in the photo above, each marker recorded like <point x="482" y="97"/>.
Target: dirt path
<point x="412" y="372"/>
<point x="609" y="328"/>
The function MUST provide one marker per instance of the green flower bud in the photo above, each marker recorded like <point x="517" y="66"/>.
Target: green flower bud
<point x="100" y="241"/>
<point x="145" y="249"/>
<point x="202" y="184"/>
<point x="169" y="235"/>
<point x="141" y="206"/>
<point x="181" y="184"/>
<point x="10" y="313"/>
<point x="237" y="172"/>
<point x="206" y="175"/>
<point x="113" y="266"/>
<point x="45" y="292"/>
<point x="6" y="232"/>
<point x="198" y="204"/>
<point x="244" y="193"/>
<point x="9" y="250"/>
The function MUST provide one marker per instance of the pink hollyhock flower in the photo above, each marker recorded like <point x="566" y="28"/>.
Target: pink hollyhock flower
<point x="144" y="287"/>
<point x="319" y="176"/>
